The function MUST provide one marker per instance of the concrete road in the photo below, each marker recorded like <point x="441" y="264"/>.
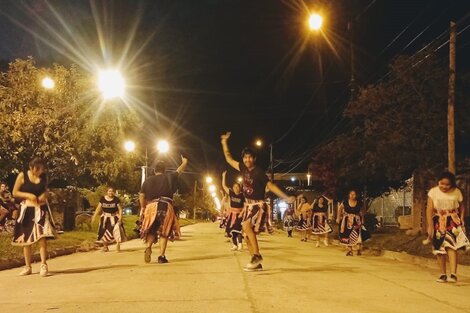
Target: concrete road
<point x="204" y="276"/>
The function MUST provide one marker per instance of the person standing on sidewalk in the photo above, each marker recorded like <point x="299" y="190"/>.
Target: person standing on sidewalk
<point x="350" y="217"/>
<point x="234" y="221"/>
<point x="305" y="218"/>
<point x="110" y="229"/>
<point x="320" y="226"/>
<point x="35" y="222"/>
<point x="156" y="208"/>
<point x="445" y="215"/>
<point x="256" y="216"/>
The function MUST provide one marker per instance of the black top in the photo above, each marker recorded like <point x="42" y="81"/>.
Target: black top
<point x="109" y="206"/>
<point x="317" y="209"/>
<point x="236" y="201"/>
<point x="352" y="210"/>
<point x="36" y="189"/>
<point x="162" y="185"/>
<point x="254" y="182"/>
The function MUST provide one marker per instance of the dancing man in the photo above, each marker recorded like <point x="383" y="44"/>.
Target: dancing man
<point x="256" y="215"/>
<point x="156" y="208"/>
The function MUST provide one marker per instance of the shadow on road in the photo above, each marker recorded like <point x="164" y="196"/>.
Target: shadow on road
<point x="335" y="269"/>
<point x="91" y="269"/>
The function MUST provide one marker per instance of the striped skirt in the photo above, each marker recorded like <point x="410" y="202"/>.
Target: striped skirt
<point x="320" y="224"/>
<point x="350" y="230"/>
<point x="110" y="230"/>
<point x="34" y="223"/>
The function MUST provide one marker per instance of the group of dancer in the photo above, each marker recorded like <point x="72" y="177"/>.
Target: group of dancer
<point x="309" y="220"/>
<point x="249" y="214"/>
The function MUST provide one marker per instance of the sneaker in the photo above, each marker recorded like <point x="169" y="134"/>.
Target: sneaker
<point x="325" y="242"/>
<point x="442" y="279"/>
<point x="147" y="255"/>
<point x="239" y="247"/>
<point x="118" y="247"/>
<point x="452" y="278"/>
<point x="234" y="247"/>
<point x="43" y="272"/>
<point x="255" y="261"/>
<point x="162" y="259"/>
<point x="258" y="267"/>
<point x="350" y="253"/>
<point x="318" y="244"/>
<point x="26" y="271"/>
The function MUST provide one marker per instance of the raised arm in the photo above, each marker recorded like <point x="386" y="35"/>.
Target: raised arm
<point x="224" y="184"/>
<point x="184" y="163"/>
<point x="228" y="157"/>
<point x="278" y="192"/>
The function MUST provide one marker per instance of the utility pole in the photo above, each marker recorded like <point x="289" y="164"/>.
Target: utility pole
<point x="195" y="198"/>
<point x="271" y="169"/>
<point x="451" y="100"/>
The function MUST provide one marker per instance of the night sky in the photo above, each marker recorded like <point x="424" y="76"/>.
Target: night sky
<point x="206" y="66"/>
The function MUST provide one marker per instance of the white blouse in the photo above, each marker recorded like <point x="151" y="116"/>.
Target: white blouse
<point x="445" y="200"/>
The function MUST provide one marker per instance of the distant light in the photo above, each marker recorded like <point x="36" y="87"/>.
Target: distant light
<point x="209" y="180"/>
<point x="129" y="146"/>
<point x="292" y="178"/>
<point x="213" y="194"/>
<point x="259" y="143"/>
<point x="212" y="188"/>
<point x="163" y="146"/>
<point x="217" y="203"/>
<point x="111" y="84"/>
<point x="315" y="21"/>
<point x="48" y="83"/>
<point x="240" y="179"/>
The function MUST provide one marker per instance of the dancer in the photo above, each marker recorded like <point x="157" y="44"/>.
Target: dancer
<point x="110" y="229"/>
<point x="349" y="218"/>
<point x="256" y="215"/>
<point x="305" y="218"/>
<point x="156" y="208"/>
<point x="445" y="216"/>
<point x="234" y="221"/>
<point x="288" y="220"/>
<point x="35" y="222"/>
<point x="320" y="224"/>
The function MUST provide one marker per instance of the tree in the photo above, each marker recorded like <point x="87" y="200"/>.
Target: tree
<point x="396" y="129"/>
<point x="67" y="126"/>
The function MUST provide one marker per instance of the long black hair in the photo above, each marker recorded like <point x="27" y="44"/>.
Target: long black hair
<point x="450" y="176"/>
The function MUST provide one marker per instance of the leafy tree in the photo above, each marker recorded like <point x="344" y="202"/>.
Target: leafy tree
<point x="396" y="129"/>
<point x="67" y="125"/>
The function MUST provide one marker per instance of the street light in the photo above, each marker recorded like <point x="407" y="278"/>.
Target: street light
<point x="48" y="83"/>
<point x="111" y="84"/>
<point x="212" y="188"/>
<point x="240" y="179"/>
<point x="129" y="146"/>
<point x="209" y="180"/>
<point x="258" y="143"/>
<point x="315" y="21"/>
<point x="163" y="146"/>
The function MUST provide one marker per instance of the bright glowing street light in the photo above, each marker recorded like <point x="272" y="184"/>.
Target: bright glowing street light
<point x="209" y="180"/>
<point x="129" y="146"/>
<point x="212" y="188"/>
<point x="292" y="178"/>
<point x="315" y="21"/>
<point x="258" y="143"/>
<point x="48" y="83"/>
<point x="214" y="195"/>
<point x="163" y="146"/>
<point x="111" y="84"/>
<point x="240" y="179"/>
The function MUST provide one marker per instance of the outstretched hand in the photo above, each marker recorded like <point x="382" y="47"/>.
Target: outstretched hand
<point x="226" y="136"/>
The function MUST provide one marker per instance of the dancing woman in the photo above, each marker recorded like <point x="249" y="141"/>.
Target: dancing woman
<point x="234" y="221"/>
<point x="320" y="226"/>
<point x="350" y="217"/>
<point x="445" y="216"/>
<point x="35" y="222"/>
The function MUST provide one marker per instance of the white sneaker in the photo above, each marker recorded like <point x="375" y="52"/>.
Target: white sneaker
<point x="43" y="272"/>
<point x="26" y="271"/>
<point x="325" y="242"/>
<point x="234" y="248"/>
<point x="239" y="247"/>
<point x="318" y="244"/>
